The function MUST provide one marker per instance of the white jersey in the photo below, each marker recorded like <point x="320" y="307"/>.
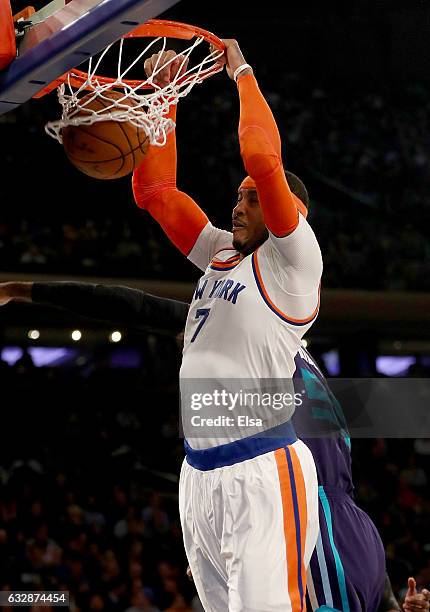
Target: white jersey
<point x="248" y="315"/>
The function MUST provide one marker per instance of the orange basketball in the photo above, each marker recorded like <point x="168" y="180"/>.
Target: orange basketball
<point x="105" y="149"/>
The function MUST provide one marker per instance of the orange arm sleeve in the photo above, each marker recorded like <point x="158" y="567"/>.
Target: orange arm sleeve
<point x="154" y="189"/>
<point x="260" y="147"/>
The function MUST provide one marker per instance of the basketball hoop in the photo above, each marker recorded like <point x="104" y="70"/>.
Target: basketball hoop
<point x="151" y="101"/>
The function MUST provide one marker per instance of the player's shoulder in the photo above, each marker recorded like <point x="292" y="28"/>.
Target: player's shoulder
<point x="221" y="237"/>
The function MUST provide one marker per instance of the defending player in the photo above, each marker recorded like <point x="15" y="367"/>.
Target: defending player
<point x="244" y="499"/>
<point x="347" y="570"/>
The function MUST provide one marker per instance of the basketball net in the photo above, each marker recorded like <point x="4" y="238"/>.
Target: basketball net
<point x="149" y="110"/>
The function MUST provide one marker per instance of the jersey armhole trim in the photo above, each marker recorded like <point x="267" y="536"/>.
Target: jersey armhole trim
<point x="263" y="292"/>
<point x="228" y="264"/>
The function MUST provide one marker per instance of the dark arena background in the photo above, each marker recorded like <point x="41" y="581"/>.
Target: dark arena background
<point x="90" y="449"/>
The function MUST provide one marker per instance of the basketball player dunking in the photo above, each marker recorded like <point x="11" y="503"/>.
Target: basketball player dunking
<point x="249" y="507"/>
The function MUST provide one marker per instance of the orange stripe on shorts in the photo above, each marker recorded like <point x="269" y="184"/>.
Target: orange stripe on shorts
<point x="294" y="564"/>
<point x="303" y="511"/>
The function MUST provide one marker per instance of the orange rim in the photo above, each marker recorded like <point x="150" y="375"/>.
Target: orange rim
<point x="152" y="28"/>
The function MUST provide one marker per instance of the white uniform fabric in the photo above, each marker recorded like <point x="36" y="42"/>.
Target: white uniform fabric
<point x="248" y="539"/>
<point x="245" y="336"/>
<point x="235" y="528"/>
<point x="248" y="316"/>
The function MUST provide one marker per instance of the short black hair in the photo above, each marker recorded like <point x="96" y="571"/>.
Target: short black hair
<point x="297" y="187"/>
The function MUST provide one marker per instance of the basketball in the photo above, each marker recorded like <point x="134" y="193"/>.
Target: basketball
<point x="105" y="149"/>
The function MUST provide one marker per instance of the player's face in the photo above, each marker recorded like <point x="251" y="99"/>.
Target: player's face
<point x="249" y="230"/>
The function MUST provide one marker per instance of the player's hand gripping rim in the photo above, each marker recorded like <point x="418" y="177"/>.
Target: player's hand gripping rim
<point x="166" y="65"/>
<point x="233" y="57"/>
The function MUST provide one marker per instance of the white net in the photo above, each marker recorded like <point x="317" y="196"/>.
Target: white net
<point x="136" y="104"/>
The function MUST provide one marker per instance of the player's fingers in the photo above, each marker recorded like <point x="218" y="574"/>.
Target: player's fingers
<point x="164" y="69"/>
<point x="179" y="66"/>
<point x="412" y="587"/>
<point x="416" y="603"/>
<point x="426" y="594"/>
<point x="221" y="60"/>
<point x="147" y="66"/>
<point x="155" y="66"/>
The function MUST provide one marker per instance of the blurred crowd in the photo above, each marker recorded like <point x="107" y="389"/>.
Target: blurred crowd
<point x="101" y="247"/>
<point x="88" y="488"/>
<point x="364" y="155"/>
<point x="373" y="148"/>
<point x="392" y="485"/>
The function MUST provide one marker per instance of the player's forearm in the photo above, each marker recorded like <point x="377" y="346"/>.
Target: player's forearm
<point x="113" y="304"/>
<point x="164" y="313"/>
<point x="154" y="189"/>
<point x="260" y="148"/>
<point x="255" y="111"/>
<point x="86" y="299"/>
<point x="181" y="219"/>
<point x="388" y="603"/>
<point x="390" y="606"/>
<point x="157" y="171"/>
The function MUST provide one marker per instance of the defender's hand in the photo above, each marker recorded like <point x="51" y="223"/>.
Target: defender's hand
<point x="15" y="291"/>
<point x="165" y="73"/>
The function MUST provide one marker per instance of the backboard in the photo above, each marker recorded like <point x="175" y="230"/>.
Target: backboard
<point x="64" y="34"/>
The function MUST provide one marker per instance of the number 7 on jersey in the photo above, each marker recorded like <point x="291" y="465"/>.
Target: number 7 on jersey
<point x="201" y="313"/>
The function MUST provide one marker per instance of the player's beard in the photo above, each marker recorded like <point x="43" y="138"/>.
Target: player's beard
<point x="249" y="244"/>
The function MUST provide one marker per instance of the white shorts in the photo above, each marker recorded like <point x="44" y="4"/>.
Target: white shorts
<point x="249" y="530"/>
